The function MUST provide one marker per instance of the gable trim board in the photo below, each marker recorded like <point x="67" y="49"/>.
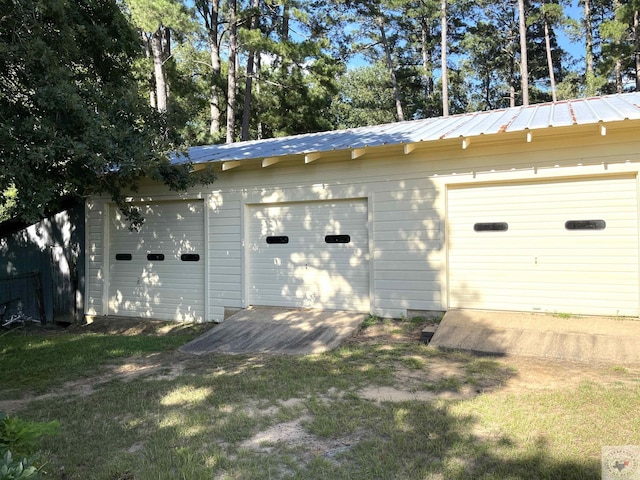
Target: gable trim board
<point x="407" y="212"/>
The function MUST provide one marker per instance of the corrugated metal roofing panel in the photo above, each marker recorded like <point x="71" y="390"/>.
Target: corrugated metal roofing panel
<point x="582" y="113"/>
<point x="562" y="115"/>
<point x="426" y="128"/>
<point x="623" y="109"/>
<point x="500" y="121"/>
<point x="473" y="123"/>
<point x="572" y="112"/>
<point x="522" y="120"/>
<point x="604" y="111"/>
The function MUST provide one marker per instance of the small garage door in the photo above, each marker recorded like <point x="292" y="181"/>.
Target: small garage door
<point x="158" y="272"/>
<point x="563" y="246"/>
<point x="312" y="255"/>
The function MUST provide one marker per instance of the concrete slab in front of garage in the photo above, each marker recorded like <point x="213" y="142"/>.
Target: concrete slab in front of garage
<point x="578" y="338"/>
<point x="278" y="330"/>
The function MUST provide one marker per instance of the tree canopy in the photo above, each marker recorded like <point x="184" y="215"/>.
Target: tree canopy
<point x="304" y="65"/>
<point x="95" y="94"/>
<point x="72" y="120"/>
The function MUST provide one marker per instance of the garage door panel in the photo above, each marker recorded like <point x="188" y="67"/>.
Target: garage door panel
<point x="543" y="256"/>
<point x="266" y="275"/>
<point x="306" y="271"/>
<point x="537" y="263"/>
<point x="557" y="289"/>
<point x="169" y="289"/>
<point x="536" y="286"/>
<point x="483" y="206"/>
<point x="267" y="269"/>
<point x="550" y="190"/>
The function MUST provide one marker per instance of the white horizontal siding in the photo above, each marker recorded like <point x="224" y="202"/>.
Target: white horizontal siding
<point x="95" y="261"/>
<point x="408" y="193"/>
<point x="407" y="249"/>
<point x="537" y="264"/>
<point x="225" y="254"/>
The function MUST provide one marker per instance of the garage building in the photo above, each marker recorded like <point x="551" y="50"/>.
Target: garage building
<point x="529" y="209"/>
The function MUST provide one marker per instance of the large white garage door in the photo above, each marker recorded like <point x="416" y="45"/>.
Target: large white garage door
<point x="562" y="246"/>
<point x="158" y="272"/>
<point x="313" y="255"/>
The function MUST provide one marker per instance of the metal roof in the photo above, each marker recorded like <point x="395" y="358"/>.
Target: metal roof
<point x="606" y="109"/>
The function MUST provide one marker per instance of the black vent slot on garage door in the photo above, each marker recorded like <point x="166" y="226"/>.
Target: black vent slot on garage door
<point x="491" y="227"/>
<point x="124" y="256"/>
<point x="585" y="225"/>
<point x="337" y="239"/>
<point x="190" y="257"/>
<point x="155" y="257"/>
<point x="278" y="240"/>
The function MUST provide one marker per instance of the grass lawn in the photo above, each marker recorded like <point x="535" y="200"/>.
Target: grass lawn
<point x="383" y="406"/>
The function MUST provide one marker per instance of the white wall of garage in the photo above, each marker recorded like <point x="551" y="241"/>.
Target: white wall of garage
<point x="406" y="198"/>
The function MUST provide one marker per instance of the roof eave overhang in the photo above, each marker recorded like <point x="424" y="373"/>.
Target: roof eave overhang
<point x="462" y="142"/>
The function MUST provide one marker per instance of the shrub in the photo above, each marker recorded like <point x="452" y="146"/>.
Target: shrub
<point x="11" y="469"/>
<point x="19" y="441"/>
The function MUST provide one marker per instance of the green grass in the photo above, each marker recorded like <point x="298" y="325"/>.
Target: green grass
<point x="210" y="421"/>
<point x="37" y="363"/>
<point x="369" y="321"/>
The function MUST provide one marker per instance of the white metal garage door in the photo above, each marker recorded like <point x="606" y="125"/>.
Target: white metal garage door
<point x="562" y="246"/>
<point x="158" y="272"/>
<point x="313" y="255"/>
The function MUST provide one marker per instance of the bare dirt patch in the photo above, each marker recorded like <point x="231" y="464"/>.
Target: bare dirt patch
<point x="112" y="325"/>
<point x="290" y="427"/>
<point x="542" y="374"/>
<point x="528" y="373"/>
<point x="293" y="434"/>
<point x="159" y="366"/>
<point x="135" y="326"/>
<point x="167" y="365"/>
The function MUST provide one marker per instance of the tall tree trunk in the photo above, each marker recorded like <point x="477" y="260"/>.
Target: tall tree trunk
<point x="284" y="33"/>
<point x="157" y="40"/>
<point x="248" y="86"/>
<point x="636" y="30"/>
<point x="443" y="46"/>
<point x="258" y="70"/>
<point x="392" y="73"/>
<point x="588" y="35"/>
<point x="215" y="91"/>
<point x="617" y="69"/>
<point x="233" y="53"/>
<point x="547" y="43"/>
<point x="427" y="59"/>
<point x="210" y="12"/>
<point x="166" y="55"/>
<point x="216" y="69"/>
<point x="524" y="64"/>
<point x="512" y="80"/>
<point x="146" y="42"/>
<point x="487" y="94"/>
